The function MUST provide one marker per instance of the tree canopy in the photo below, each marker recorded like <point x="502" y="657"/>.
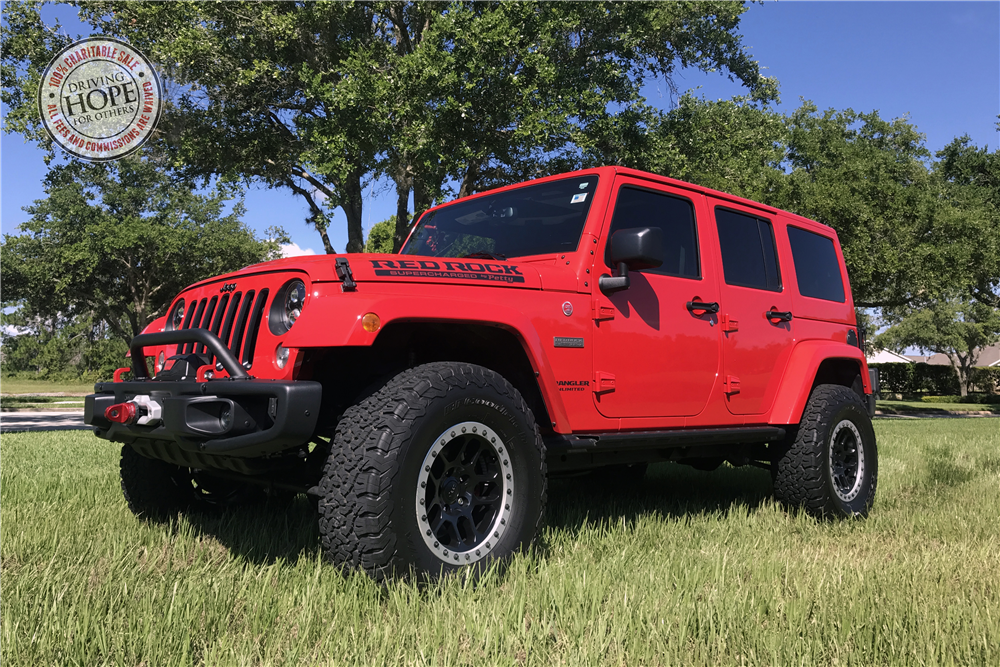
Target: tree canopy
<point x="958" y="327"/>
<point x="380" y="236"/>
<point x="451" y="98"/>
<point x="322" y="98"/>
<point x="912" y="227"/>
<point x="114" y="242"/>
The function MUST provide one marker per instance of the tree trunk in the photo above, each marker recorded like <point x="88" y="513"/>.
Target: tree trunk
<point x="469" y="182"/>
<point x="423" y="198"/>
<point x="320" y="225"/>
<point x="352" y="205"/>
<point x="402" y="212"/>
<point x="962" y="368"/>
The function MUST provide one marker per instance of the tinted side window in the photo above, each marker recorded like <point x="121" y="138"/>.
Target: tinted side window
<point x="748" y="255"/>
<point x="674" y="215"/>
<point x="816" y="267"/>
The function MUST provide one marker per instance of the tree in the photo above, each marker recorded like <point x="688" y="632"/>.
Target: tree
<point x="958" y="327"/>
<point x="380" y="236"/>
<point x="114" y="242"/>
<point x="911" y="228"/>
<point x="322" y="98"/>
<point x="972" y="175"/>
<point x="737" y="146"/>
<point x="59" y="348"/>
<point x="868" y="179"/>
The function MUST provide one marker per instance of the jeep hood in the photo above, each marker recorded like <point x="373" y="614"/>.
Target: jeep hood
<point x="367" y="268"/>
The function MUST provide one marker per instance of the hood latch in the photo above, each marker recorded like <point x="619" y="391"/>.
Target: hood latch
<point x="345" y="275"/>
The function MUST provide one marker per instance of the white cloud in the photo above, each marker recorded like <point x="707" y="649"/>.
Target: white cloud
<point x="15" y="331"/>
<point x="293" y="250"/>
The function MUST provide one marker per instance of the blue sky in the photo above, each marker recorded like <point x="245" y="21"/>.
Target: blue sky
<point x="938" y="63"/>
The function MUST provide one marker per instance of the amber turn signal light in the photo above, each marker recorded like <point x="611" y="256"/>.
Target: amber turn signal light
<point x="370" y="322"/>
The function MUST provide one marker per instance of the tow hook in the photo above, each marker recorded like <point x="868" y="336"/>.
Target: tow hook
<point x="141" y="410"/>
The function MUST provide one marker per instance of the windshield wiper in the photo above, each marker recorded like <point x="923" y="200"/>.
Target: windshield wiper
<point x="483" y="254"/>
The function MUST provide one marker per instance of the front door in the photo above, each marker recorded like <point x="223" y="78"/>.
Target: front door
<point x="755" y="314"/>
<point x="654" y="356"/>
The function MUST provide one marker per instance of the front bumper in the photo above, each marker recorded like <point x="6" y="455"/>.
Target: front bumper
<point x="238" y="416"/>
<point x="223" y="417"/>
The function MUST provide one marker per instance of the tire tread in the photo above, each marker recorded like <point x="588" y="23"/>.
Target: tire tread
<point x="799" y="470"/>
<point x="355" y="505"/>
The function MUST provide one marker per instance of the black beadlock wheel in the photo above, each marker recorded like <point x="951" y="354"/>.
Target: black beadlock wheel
<point x="830" y="467"/>
<point x="441" y="469"/>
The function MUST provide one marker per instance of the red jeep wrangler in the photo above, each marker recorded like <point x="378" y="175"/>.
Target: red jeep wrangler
<point x="605" y="318"/>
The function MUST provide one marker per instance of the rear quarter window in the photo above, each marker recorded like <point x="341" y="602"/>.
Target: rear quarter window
<point x="817" y="269"/>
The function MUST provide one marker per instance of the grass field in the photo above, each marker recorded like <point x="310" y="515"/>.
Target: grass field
<point x="693" y="569"/>
<point x="16" y="386"/>
<point x="905" y="407"/>
<point x="40" y="402"/>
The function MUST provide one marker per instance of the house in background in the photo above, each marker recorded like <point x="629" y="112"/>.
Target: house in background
<point x="989" y="356"/>
<point x="888" y="357"/>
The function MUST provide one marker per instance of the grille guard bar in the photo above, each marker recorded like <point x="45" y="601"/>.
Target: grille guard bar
<point x="202" y="336"/>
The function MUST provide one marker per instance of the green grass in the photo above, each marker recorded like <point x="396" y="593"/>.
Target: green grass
<point x="18" y="386"/>
<point x="904" y="407"/>
<point x="693" y="569"/>
<point x="40" y="402"/>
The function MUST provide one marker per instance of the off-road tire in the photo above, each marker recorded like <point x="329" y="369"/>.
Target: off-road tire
<point x="156" y="489"/>
<point x="812" y="470"/>
<point x="153" y="489"/>
<point x="385" y="445"/>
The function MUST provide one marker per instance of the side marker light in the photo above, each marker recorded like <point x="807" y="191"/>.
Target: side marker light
<point x="371" y="322"/>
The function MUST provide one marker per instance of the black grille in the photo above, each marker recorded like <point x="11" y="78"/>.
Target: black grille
<point x="239" y="316"/>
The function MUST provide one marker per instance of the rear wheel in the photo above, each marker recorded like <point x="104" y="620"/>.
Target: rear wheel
<point x="830" y="468"/>
<point x="441" y="469"/>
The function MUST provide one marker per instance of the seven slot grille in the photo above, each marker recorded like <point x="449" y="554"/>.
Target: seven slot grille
<point x="238" y="317"/>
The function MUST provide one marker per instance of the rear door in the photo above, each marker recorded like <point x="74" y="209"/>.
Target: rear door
<point x="653" y="356"/>
<point x="756" y="308"/>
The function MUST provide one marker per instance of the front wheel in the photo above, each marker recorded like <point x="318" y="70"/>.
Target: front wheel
<point x="830" y="468"/>
<point x="155" y="489"/>
<point x="441" y="469"/>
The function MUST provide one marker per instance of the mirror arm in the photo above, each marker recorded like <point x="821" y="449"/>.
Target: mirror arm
<point x="610" y="285"/>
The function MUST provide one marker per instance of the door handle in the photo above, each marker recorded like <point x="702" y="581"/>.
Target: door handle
<point x="784" y="316"/>
<point x="712" y="307"/>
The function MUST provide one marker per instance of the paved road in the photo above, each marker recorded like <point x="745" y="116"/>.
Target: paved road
<point x="42" y="421"/>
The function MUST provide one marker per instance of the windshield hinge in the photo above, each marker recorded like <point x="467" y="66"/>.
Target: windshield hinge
<point x="345" y="275"/>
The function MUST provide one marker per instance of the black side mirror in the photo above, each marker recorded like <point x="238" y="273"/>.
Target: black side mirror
<point x="636" y="249"/>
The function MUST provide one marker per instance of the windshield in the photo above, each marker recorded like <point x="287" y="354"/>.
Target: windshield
<point x="531" y="220"/>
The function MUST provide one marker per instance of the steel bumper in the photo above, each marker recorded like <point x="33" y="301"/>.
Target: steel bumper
<point x="228" y="417"/>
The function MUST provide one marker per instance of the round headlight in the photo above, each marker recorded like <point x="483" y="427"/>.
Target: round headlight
<point x="286" y="306"/>
<point x="176" y="318"/>
<point x="295" y="296"/>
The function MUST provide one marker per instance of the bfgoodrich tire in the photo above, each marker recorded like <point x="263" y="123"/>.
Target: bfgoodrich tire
<point x="441" y="469"/>
<point x="830" y="468"/>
